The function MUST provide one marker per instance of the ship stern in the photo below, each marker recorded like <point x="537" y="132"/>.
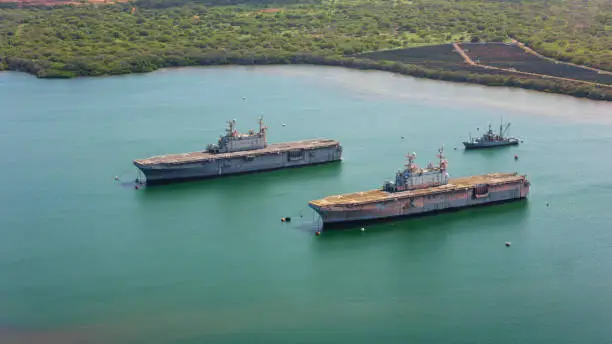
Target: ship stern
<point x="525" y="188"/>
<point x="340" y="217"/>
<point x="142" y="169"/>
<point x="155" y="174"/>
<point x="312" y="205"/>
<point x="325" y="214"/>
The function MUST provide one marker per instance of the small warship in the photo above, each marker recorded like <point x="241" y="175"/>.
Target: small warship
<point x="491" y="139"/>
<point x="420" y="191"/>
<point x="237" y="153"/>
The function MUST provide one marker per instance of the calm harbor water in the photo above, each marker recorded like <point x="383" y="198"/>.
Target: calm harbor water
<point x="85" y="259"/>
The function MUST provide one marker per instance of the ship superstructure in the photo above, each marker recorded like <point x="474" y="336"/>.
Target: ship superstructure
<point x="237" y="153"/>
<point x="234" y="141"/>
<point x="413" y="177"/>
<point x="417" y="191"/>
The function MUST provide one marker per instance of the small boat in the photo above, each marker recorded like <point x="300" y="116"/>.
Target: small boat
<point x="491" y="139"/>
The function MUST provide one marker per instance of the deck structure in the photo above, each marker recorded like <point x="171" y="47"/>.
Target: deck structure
<point x="274" y="148"/>
<point x="457" y="184"/>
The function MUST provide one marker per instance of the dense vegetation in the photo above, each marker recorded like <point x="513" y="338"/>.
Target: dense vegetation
<point x="142" y="36"/>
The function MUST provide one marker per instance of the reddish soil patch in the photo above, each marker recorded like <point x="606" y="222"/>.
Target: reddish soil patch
<point x="58" y="2"/>
<point x="270" y="10"/>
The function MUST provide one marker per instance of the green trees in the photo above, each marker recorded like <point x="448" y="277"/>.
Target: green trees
<point x="148" y="34"/>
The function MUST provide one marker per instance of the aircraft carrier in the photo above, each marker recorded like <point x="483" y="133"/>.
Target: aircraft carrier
<point x="420" y="191"/>
<point x="237" y="153"/>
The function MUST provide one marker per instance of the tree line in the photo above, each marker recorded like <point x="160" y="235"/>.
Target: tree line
<point x="143" y="35"/>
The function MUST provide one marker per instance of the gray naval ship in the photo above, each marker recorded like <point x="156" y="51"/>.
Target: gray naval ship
<point x="491" y="139"/>
<point x="419" y="191"/>
<point x="237" y="153"/>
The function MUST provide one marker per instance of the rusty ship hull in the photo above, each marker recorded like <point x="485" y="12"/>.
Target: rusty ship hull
<point x="376" y="205"/>
<point x="201" y="165"/>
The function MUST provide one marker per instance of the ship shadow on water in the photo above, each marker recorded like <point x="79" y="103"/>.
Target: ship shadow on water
<point x="256" y="182"/>
<point x="307" y="221"/>
<point x="473" y="218"/>
<point x="489" y="152"/>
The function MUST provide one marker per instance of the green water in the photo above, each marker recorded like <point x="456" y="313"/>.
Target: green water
<point x="85" y="259"/>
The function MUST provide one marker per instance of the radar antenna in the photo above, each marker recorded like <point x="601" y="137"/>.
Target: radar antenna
<point x="231" y="130"/>
<point x="443" y="161"/>
<point x="411" y="166"/>
<point x="262" y="127"/>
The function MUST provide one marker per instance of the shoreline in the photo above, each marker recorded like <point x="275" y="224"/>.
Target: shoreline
<point x="384" y="86"/>
<point x="374" y="85"/>
<point x="547" y="86"/>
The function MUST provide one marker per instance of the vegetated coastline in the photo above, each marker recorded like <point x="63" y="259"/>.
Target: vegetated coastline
<point x="311" y="36"/>
<point x="144" y="65"/>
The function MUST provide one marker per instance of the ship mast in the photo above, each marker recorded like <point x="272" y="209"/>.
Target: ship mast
<point x="262" y="130"/>
<point x="231" y="125"/>
<point x="411" y="166"/>
<point x="443" y="161"/>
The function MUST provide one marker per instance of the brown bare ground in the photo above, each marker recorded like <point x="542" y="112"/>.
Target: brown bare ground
<point x="270" y="10"/>
<point x="59" y="2"/>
